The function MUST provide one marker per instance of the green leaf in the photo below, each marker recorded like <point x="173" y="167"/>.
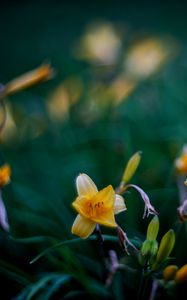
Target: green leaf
<point x="41" y="284"/>
<point x="70" y="242"/>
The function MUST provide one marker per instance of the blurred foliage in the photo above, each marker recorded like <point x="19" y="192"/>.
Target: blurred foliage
<point x="119" y="87"/>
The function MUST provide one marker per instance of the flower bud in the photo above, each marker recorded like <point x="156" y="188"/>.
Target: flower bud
<point x="146" y="246"/>
<point x="148" y="251"/>
<point x="165" y="248"/>
<point x="131" y="167"/>
<point x="149" y="248"/>
<point x="169" y="272"/>
<point x="152" y="230"/>
<point x="181" y="274"/>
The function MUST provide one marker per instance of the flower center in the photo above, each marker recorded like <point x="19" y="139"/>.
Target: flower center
<point x="94" y="209"/>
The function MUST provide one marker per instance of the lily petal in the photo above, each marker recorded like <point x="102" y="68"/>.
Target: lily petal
<point x="83" y="227"/>
<point x="106" y="219"/>
<point x="85" y="186"/>
<point x="107" y="196"/>
<point x="119" y="204"/>
<point x="79" y="205"/>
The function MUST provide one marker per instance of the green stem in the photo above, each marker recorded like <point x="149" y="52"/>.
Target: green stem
<point x="102" y="251"/>
<point x="143" y="286"/>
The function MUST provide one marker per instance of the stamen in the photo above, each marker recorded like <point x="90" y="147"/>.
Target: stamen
<point x="94" y="210"/>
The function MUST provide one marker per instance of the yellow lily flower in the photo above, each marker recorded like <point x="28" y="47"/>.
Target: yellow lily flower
<point x="94" y="207"/>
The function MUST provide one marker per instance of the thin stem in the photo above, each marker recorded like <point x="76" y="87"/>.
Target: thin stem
<point x="113" y="268"/>
<point x="182" y="189"/>
<point x="139" y="296"/>
<point x="102" y="251"/>
<point x="142" y="292"/>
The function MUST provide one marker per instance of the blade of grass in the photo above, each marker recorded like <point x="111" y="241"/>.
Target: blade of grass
<point x="70" y="242"/>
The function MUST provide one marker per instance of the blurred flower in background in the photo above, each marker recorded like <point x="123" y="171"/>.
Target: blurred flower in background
<point x="181" y="162"/>
<point x="9" y="129"/>
<point x="7" y="119"/>
<point x="146" y="56"/>
<point x="63" y="98"/>
<point x="128" y="64"/>
<point x="5" y="172"/>
<point x="101" y="43"/>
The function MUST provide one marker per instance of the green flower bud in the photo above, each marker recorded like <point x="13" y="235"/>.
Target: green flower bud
<point x="146" y="246"/>
<point x="148" y="251"/>
<point x="154" y="248"/>
<point x="165" y="248"/>
<point x="152" y="230"/>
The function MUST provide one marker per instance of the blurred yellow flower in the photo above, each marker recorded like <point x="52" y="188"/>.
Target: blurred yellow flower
<point x="100" y="44"/>
<point x="9" y="131"/>
<point x="29" y="79"/>
<point x="146" y="56"/>
<point x="63" y="98"/>
<point x="5" y="172"/>
<point x="121" y="87"/>
<point x="94" y="207"/>
<point x="181" y="162"/>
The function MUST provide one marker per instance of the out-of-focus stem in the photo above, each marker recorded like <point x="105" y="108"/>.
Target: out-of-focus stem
<point x="153" y="290"/>
<point x="102" y="251"/>
<point x="182" y="188"/>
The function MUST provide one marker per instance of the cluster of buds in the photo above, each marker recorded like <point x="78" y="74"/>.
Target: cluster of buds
<point x="175" y="275"/>
<point x="152" y="255"/>
<point x="150" y="245"/>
